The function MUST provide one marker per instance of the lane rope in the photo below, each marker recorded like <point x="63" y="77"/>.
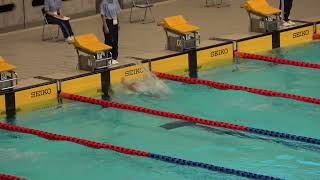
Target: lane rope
<point x="225" y="86"/>
<point x="124" y="150"/>
<point x="213" y="123"/>
<point x="276" y="60"/>
<point x="9" y="177"/>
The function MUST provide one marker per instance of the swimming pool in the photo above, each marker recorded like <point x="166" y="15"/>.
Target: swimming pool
<point x="35" y="158"/>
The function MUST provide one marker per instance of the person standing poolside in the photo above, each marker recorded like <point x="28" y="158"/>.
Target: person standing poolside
<point x="109" y="10"/>
<point x="53" y="13"/>
<point x="286" y="6"/>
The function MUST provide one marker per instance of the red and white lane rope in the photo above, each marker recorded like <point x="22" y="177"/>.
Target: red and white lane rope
<point x="225" y="86"/>
<point x="276" y="60"/>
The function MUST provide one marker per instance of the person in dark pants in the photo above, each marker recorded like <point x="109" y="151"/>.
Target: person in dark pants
<point x="110" y="10"/>
<point x="286" y="6"/>
<point x="54" y="15"/>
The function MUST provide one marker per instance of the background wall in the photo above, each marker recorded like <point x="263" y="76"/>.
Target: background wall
<point x="127" y="3"/>
<point x="25" y="15"/>
<point x="14" y="17"/>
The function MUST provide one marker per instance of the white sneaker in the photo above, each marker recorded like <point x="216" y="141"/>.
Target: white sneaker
<point x="291" y="23"/>
<point x="285" y="24"/>
<point x="70" y="39"/>
<point x="114" y="62"/>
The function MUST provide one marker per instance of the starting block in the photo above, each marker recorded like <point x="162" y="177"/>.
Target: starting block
<point x="92" y="54"/>
<point x="9" y="78"/>
<point x="263" y="17"/>
<point x="180" y="34"/>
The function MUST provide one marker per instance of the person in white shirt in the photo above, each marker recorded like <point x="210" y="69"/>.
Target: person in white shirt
<point x="53" y="13"/>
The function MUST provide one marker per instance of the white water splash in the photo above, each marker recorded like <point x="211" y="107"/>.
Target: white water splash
<point x="149" y="85"/>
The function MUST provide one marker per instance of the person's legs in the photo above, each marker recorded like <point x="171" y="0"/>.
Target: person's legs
<point x="111" y="38"/>
<point x="115" y="42"/>
<point x="280" y="5"/>
<point x="287" y="9"/>
<point x="107" y="36"/>
<point x="63" y="27"/>
<point x="67" y="24"/>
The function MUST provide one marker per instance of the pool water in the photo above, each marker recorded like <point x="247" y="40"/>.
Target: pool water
<point x="34" y="158"/>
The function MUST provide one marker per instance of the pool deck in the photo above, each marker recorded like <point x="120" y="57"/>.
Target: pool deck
<point x="56" y="59"/>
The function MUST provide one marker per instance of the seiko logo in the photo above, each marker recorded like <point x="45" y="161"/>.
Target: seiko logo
<point x="300" y="34"/>
<point x="41" y="93"/>
<point x="219" y="52"/>
<point x="133" y="72"/>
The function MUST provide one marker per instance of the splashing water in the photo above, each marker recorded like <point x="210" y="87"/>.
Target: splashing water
<point x="149" y="85"/>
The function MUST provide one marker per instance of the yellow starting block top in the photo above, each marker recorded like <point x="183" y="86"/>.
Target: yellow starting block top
<point x="261" y="7"/>
<point x="5" y="66"/>
<point x="90" y="43"/>
<point x="178" y="24"/>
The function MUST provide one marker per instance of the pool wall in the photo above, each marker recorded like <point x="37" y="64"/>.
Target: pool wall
<point x="294" y="36"/>
<point x="94" y="84"/>
<point x="255" y="44"/>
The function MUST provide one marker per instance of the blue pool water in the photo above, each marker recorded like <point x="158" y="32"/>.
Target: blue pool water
<point x="34" y="158"/>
